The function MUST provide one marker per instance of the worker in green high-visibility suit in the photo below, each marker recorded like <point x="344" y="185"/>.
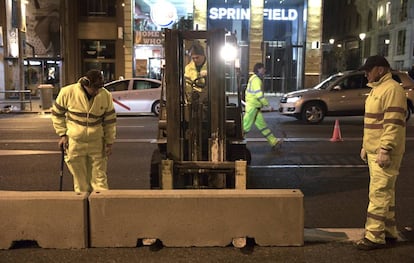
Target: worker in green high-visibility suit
<point x="255" y="100"/>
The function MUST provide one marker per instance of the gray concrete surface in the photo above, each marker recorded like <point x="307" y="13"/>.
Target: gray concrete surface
<point x="53" y="219"/>
<point x="196" y="218"/>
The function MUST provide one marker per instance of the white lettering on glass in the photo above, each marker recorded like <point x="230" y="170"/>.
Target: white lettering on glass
<point x="229" y="13"/>
<point x="221" y="13"/>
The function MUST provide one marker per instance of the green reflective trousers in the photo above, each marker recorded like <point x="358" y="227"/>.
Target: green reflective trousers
<point x="254" y="116"/>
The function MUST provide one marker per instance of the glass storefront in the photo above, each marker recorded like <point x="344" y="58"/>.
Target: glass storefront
<point x="283" y="38"/>
<point x="284" y="33"/>
<point x="150" y="18"/>
<point x="233" y="15"/>
<point x="42" y="45"/>
<point x="42" y="71"/>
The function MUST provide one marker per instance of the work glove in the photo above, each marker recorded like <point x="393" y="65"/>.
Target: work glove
<point x="63" y="142"/>
<point x="363" y="155"/>
<point x="383" y="158"/>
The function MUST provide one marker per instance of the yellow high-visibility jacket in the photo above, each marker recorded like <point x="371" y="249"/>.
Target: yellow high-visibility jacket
<point x="384" y="120"/>
<point x="191" y="72"/>
<point x="84" y="120"/>
<point x="254" y="93"/>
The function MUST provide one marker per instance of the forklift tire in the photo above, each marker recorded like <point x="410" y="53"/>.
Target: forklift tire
<point x="238" y="153"/>
<point x="155" y="170"/>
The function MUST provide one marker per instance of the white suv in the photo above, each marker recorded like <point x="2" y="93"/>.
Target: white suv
<point x="342" y="94"/>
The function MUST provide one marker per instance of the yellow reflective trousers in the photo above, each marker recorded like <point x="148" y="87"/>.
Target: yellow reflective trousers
<point x="381" y="209"/>
<point x="87" y="162"/>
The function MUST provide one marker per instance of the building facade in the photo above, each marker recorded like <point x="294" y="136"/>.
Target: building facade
<point x="356" y="29"/>
<point x="57" y="41"/>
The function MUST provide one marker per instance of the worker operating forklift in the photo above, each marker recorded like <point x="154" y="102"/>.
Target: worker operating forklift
<point x="196" y="71"/>
<point x="200" y="139"/>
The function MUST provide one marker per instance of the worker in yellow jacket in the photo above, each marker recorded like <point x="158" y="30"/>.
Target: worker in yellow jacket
<point x="383" y="147"/>
<point x="83" y="116"/>
<point x="196" y="69"/>
<point x="255" y="100"/>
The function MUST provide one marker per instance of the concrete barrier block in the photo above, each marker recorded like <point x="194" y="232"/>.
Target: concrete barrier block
<point x="53" y="219"/>
<point x="201" y="218"/>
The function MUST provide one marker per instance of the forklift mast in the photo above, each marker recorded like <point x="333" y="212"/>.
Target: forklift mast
<point x="212" y="114"/>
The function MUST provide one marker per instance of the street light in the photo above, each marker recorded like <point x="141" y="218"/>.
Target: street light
<point x="362" y="37"/>
<point x="386" y="42"/>
<point x="331" y="41"/>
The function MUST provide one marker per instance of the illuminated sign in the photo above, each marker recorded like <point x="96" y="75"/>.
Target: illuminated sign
<point x="219" y="13"/>
<point x="149" y="37"/>
<point x="163" y="13"/>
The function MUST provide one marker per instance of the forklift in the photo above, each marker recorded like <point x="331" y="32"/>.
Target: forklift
<point x="200" y="142"/>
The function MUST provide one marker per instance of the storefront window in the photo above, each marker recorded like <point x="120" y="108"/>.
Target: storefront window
<point x="158" y="14"/>
<point x="42" y="29"/>
<point x="42" y="71"/>
<point x="232" y="15"/>
<point x="150" y="18"/>
<point x="283" y="36"/>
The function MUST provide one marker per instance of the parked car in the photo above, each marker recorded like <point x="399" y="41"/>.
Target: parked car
<point x="135" y="95"/>
<point x="342" y="94"/>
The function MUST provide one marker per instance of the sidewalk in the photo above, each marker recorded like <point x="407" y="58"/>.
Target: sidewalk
<point x="318" y="251"/>
<point x="15" y="107"/>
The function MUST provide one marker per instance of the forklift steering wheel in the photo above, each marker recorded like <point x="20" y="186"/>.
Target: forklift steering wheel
<point x="199" y="82"/>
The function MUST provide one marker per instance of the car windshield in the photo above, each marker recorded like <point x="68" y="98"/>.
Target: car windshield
<point x="324" y="84"/>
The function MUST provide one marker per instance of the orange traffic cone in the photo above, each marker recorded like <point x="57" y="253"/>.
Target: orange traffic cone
<point x="336" y="135"/>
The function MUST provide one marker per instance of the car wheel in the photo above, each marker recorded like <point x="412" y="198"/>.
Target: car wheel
<point x="313" y="113"/>
<point x="156" y="108"/>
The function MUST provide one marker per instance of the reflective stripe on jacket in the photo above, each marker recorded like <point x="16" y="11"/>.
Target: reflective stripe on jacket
<point x="82" y="119"/>
<point x="384" y="120"/>
<point x="254" y="93"/>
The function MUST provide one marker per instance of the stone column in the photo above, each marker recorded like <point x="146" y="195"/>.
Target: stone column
<point x="200" y="15"/>
<point x="256" y="32"/>
<point x="313" y="60"/>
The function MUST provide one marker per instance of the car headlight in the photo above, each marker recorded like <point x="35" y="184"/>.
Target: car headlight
<point x="293" y="99"/>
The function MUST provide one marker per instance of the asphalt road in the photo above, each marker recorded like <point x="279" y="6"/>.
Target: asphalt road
<point x="331" y="176"/>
